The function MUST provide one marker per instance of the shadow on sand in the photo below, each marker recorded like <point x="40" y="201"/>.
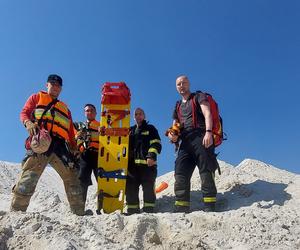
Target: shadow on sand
<point x="266" y="194"/>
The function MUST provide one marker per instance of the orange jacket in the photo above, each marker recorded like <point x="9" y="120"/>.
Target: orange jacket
<point x="60" y="117"/>
<point x="92" y="127"/>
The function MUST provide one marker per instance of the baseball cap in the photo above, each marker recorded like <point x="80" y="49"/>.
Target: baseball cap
<point x="53" y="78"/>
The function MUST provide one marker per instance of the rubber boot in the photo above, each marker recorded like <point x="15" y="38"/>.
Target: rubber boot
<point x="131" y="211"/>
<point x="209" y="207"/>
<point x="181" y="209"/>
<point x="148" y="209"/>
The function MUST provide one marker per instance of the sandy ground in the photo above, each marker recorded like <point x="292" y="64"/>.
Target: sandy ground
<point x="258" y="208"/>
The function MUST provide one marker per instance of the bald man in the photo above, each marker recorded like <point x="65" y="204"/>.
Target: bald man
<point x="196" y="148"/>
<point x="144" y="146"/>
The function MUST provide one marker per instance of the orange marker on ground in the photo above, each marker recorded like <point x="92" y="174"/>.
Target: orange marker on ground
<point x="162" y="186"/>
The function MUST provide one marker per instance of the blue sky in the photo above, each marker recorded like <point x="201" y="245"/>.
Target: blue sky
<point x="245" y="53"/>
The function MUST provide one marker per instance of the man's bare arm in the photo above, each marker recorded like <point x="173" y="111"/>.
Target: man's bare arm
<point x="208" y="139"/>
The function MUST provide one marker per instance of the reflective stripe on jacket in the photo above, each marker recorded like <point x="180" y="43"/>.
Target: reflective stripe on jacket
<point x="144" y="142"/>
<point x="56" y="120"/>
<point x="94" y="139"/>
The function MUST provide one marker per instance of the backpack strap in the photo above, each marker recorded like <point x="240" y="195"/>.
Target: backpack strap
<point x="49" y="106"/>
<point x="195" y="105"/>
<point x="178" y="103"/>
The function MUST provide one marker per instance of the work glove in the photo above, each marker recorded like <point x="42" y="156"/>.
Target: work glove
<point x="173" y="138"/>
<point x="74" y="151"/>
<point x="151" y="162"/>
<point x="31" y="127"/>
<point x="79" y="135"/>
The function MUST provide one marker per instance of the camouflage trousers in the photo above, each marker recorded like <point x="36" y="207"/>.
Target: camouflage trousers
<point x="32" y="170"/>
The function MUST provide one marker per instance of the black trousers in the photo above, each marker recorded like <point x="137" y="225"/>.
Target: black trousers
<point x="144" y="176"/>
<point x="191" y="154"/>
<point x="88" y="164"/>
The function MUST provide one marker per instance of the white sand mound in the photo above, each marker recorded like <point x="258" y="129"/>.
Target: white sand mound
<point x="258" y="208"/>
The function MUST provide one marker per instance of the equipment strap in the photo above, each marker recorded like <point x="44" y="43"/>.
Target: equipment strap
<point x="118" y="174"/>
<point x="49" y="106"/>
<point x="121" y="114"/>
<point x="114" y="131"/>
<point x="101" y="195"/>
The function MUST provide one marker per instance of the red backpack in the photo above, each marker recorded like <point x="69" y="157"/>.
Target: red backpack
<point x="217" y="128"/>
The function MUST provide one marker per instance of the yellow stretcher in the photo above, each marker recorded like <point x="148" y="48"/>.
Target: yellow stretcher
<point x="113" y="147"/>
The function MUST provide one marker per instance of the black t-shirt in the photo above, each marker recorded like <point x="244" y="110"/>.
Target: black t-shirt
<point x="186" y="112"/>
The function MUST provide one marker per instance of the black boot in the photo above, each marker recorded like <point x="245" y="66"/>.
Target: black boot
<point x="131" y="211"/>
<point x="181" y="209"/>
<point x="88" y="212"/>
<point x="148" y="209"/>
<point x="209" y="207"/>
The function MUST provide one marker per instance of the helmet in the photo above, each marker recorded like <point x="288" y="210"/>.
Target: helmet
<point x="40" y="142"/>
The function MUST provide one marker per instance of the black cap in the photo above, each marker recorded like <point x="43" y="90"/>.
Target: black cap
<point x="55" y="79"/>
<point x="90" y="105"/>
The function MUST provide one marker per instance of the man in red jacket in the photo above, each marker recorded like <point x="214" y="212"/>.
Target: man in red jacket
<point x="44" y="110"/>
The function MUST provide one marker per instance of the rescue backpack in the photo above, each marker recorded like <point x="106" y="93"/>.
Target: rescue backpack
<point x="217" y="128"/>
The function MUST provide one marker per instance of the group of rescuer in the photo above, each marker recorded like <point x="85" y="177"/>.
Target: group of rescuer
<point x="80" y="141"/>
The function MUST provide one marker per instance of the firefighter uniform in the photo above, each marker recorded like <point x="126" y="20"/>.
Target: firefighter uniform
<point x="191" y="153"/>
<point x="144" y="142"/>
